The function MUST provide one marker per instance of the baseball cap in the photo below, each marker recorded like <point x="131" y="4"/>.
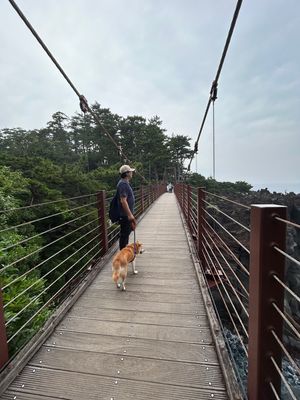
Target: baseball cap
<point x="125" y="168"/>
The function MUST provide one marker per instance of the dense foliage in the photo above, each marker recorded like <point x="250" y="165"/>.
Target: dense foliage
<point x="70" y="157"/>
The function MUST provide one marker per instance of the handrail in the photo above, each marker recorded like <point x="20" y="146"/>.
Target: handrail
<point x="56" y="262"/>
<point x="264" y="277"/>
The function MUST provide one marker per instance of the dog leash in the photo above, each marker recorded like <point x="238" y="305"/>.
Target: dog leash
<point x="134" y="242"/>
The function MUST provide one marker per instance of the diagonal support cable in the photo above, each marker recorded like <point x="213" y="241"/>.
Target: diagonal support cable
<point x="212" y="95"/>
<point x="83" y="102"/>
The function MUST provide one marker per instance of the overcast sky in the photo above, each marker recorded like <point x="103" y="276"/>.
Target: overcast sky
<point x="159" y="57"/>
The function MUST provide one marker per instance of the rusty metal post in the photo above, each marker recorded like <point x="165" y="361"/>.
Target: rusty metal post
<point x="102" y="221"/>
<point x="149" y="195"/>
<point x="266" y="233"/>
<point x="142" y="199"/>
<point x="200" y="222"/>
<point x="3" y="338"/>
<point x="188" y="192"/>
<point x="185" y="201"/>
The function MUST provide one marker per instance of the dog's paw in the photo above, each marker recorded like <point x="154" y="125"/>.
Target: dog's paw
<point x="135" y="272"/>
<point x="118" y="285"/>
<point x="124" y="288"/>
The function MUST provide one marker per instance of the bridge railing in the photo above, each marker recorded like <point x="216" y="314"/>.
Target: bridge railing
<point x="242" y="252"/>
<point x="45" y="258"/>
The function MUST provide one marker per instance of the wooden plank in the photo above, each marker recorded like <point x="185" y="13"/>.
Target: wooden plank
<point x="193" y="321"/>
<point x="144" y="331"/>
<point x="143" y="296"/>
<point x="138" y="280"/>
<point x="79" y="386"/>
<point x="157" y="274"/>
<point x="141" y="306"/>
<point x="137" y="368"/>
<point x="164" y="350"/>
<point x="142" y="286"/>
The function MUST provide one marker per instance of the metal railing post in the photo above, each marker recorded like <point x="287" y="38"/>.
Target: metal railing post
<point x="142" y="199"/>
<point x="266" y="233"/>
<point x="102" y="221"/>
<point x="200" y="222"/>
<point x="3" y="338"/>
<point x="149" y="195"/>
<point x="188" y="192"/>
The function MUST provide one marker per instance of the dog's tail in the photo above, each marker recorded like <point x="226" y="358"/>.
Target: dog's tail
<point x="116" y="271"/>
<point x="116" y="276"/>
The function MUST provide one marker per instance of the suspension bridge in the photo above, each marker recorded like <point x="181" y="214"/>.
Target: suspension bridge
<point x="162" y="338"/>
<point x="76" y="336"/>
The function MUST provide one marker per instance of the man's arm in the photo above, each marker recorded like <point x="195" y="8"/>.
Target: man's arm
<point x="126" y="208"/>
<point x="129" y="214"/>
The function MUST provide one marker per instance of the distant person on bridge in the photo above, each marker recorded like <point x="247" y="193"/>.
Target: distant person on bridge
<point x="125" y="192"/>
<point x="170" y="187"/>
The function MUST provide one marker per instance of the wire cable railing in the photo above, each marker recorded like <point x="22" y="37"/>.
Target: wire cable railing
<point x="229" y="255"/>
<point x="227" y="216"/>
<point x="44" y="232"/>
<point x="228" y="265"/>
<point x="227" y="248"/>
<point x="228" y="233"/>
<point x="46" y="217"/>
<point x="47" y="260"/>
<point x="223" y="198"/>
<point x="47" y="245"/>
<point x="55" y="295"/>
<point x="40" y="264"/>
<point x="236" y="313"/>
<point x="46" y="203"/>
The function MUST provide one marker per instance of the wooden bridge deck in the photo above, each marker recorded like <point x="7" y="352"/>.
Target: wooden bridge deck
<point x="151" y="342"/>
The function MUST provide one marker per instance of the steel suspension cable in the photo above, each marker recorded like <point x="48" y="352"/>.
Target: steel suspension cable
<point x="214" y="143"/>
<point x="33" y="31"/>
<point x="83" y="102"/>
<point x="215" y="82"/>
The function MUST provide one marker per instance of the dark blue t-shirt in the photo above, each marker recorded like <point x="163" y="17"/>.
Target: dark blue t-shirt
<point x="125" y="190"/>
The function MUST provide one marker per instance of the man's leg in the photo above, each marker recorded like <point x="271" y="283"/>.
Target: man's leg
<point x="124" y="232"/>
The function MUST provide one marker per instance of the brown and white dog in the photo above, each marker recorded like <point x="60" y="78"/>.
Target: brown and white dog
<point x="121" y="261"/>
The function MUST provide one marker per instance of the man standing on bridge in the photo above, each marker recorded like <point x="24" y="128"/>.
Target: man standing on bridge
<point x="125" y="192"/>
